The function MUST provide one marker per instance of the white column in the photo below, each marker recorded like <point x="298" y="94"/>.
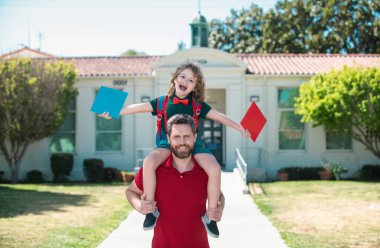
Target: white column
<point x="234" y="111"/>
<point x="129" y="134"/>
<point x="85" y="130"/>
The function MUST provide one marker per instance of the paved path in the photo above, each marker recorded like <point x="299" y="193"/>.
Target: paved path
<point x="242" y="225"/>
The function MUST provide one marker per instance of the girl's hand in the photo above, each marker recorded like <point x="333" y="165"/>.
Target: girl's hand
<point x="246" y="133"/>
<point x="105" y="115"/>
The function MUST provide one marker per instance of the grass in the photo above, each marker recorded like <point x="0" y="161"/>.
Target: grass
<point x="65" y="215"/>
<point x="324" y="214"/>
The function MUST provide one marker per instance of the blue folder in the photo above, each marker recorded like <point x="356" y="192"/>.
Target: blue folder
<point x="109" y="100"/>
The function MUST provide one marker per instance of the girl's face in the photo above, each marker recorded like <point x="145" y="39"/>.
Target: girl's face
<point x="185" y="83"/>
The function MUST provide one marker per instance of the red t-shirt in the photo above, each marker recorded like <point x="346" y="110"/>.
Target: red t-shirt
<point x="181" y="200"/>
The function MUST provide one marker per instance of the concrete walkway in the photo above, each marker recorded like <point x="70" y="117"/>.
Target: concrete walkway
<point x="242" y="225"/>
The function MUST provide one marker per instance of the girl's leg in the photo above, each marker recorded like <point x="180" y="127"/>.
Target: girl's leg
<point x="150" y="164"/>
<point x="212" y="168"/>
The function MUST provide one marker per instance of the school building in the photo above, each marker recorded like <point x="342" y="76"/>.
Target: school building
<point x="233" y="81"/>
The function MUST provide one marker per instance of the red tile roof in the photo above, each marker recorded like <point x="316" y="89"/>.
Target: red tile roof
<point x="257" y="64"/>
<point x="304" y="64"/>
<point x="113" y="66"/>
<point x="26" y="52"/>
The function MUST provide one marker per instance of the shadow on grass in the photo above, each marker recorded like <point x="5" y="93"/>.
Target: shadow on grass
<point x="16" y="202"/>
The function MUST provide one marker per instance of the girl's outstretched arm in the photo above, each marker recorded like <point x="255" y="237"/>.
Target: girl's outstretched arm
<point x="227" y="121"/>
<point x="136" y="108"/>
<point x="131" y="109"/>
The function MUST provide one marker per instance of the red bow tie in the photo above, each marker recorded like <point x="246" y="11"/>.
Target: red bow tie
<point x="184" y="102"/>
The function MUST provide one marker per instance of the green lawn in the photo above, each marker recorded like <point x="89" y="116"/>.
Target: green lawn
<point x="324" y="214"/>
<point x="66" y="215"/>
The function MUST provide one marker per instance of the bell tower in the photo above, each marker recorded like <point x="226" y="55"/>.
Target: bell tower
<point x="199" y="30"/>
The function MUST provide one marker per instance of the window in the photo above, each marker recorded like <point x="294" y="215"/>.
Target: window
<point x="108" y="134"/>
<point x="64" y="139"/>
<point x="291" y="129"/>
<point x="338" y="141"/>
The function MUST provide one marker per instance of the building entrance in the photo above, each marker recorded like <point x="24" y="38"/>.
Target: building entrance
<point x="212" y="132"/>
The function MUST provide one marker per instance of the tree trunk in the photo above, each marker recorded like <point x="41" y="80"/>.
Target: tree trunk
<point x="13" y="156"/>
<point x="14" y="168"/>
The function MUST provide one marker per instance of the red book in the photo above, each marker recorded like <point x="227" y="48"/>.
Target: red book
<point x="254" y="121"/>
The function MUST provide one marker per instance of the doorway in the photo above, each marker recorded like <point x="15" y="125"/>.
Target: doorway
<point x="212" y="132"/>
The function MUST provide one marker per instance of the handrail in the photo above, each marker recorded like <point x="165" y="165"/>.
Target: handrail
<point x="141" y="153"/>
<point x="241" y="165"/>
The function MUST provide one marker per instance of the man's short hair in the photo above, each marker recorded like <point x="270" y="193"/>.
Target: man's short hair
<point x="180" y="119"/>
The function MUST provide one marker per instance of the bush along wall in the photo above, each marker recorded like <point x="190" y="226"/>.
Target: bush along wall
<point x="112" y="175"/>
<point x="34" y="176"/>
<point x="93" y="169"/>
<point x="303" y="173"/>
<point x="61" y="166"/>
<point x="370" y="173"/>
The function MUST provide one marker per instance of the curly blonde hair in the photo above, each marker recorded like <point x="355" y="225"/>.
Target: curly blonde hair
<point x="199" y="89"/>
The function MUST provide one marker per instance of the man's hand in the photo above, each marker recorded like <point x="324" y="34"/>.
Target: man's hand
<point x="215" y="213"/>
<point x="147" y="206"/>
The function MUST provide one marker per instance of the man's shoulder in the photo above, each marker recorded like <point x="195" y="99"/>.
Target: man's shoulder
<point x="197" y="168"/>
<point x="167" y="164"/>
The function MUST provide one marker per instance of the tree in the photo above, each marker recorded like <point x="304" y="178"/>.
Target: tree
<point x="288" y="28"/>
<point x="132" y="52"/>
<point x="301" y="26"/>
<point x="240" y="33"/>
<point x="352" y="26"/>
<point x="34" y="95"/>
<point x="347" y="101"/>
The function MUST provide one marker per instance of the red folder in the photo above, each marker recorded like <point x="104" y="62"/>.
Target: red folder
<point x="254" y="121"/>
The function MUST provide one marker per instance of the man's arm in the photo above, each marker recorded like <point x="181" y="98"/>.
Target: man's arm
<point x="137" y="199"/>
<point x="216" y="213"/>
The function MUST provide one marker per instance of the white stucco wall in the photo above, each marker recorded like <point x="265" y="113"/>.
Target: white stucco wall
<point x="221" y="71"/>
<point x="272" y="158"/>
<point x="136" y="129"/>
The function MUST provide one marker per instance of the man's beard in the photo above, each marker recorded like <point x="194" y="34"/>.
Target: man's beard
<point x="183" y="153"/>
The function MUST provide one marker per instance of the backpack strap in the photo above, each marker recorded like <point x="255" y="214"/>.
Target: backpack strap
<point x="161" y="107"/>
<point x="165" y="112"/>
<point x="161" y="111"/>
<point x="196" y="111"/>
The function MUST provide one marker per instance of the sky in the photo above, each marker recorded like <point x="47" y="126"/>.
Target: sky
<point x="107" y="27"/>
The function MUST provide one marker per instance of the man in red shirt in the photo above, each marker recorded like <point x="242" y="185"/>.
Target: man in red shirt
<point x="181" y="192"/>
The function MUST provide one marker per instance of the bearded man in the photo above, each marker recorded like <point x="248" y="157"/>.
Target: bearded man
<point x="181" y="192"/>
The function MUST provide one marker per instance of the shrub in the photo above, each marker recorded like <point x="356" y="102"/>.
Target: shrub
<point x="370" y="173"/>
<point x="61" y="166"/>
<point x="303" y="173"/>
<point x="112" y="174"/>
<point x="1" y="176"/>
<point x="34" y="176"/>
<point x="336" y="168"/>
<point x="93" y="169"/>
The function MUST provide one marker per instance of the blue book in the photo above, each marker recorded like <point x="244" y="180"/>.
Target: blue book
<point x="109" y="100"/>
